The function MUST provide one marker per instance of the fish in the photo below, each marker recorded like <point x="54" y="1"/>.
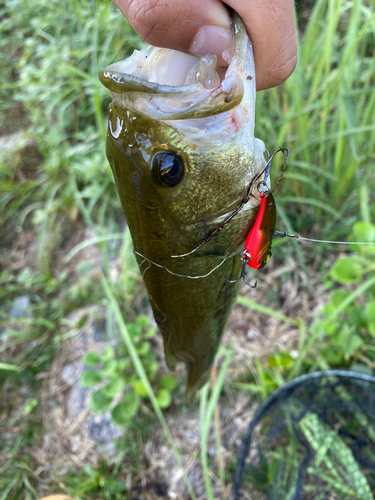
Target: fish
<point x="181" y="146"/>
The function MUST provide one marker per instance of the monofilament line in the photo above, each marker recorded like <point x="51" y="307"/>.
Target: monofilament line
<point x="184" y="254"/>
<point x="335" y="242"/>
<point x="283" y="234"/>
<point x="180" y="275"/>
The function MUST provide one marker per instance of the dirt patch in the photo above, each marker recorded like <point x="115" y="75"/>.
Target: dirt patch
<point x="75" y="436"/>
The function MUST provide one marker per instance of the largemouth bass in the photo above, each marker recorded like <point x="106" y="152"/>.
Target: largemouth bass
<point x="182" y="149"/>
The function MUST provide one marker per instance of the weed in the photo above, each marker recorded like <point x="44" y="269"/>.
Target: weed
<point x="57" y="182"/>
<point x="116" y="376"/>
<point x="324" y="115"/>
<point x="51" y="72"/>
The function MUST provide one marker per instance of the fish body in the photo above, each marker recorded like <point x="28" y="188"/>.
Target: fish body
<point x="183" y="154"/>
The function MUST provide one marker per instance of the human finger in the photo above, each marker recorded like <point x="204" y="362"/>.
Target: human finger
<point x="203" y="26"/>
<point x="271" y="26"/>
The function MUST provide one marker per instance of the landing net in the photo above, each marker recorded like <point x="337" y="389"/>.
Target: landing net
<point x="312" y="439"/>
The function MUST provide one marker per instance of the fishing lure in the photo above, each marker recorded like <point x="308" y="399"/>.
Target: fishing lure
<point x="257" y="250"/>
<point x="258" y="243"/>
<point x="265" y="171"/>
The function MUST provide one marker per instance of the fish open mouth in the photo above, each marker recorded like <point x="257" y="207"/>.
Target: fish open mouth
<point x="168" y="85"/>
<point x="170" y="68"/>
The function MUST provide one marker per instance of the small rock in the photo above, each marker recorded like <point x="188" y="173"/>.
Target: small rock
<point x="103" y="430"/>
<point x="21" y="307"/>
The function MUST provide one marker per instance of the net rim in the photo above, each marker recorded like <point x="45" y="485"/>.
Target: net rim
<point x="271" y="400"/>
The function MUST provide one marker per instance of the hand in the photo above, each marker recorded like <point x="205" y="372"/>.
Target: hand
<point x="203" y="26"/>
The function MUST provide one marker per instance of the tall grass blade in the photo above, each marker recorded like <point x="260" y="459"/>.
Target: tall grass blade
<point x="143" y="377"/>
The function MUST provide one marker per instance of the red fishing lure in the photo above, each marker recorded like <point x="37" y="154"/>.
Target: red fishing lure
<point x="258" y="243"/>
<point x="257" y="251"/>
<point x="259" y="240"/>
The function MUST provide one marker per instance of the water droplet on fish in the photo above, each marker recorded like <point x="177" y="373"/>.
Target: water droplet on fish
<point x="119" y="123"/>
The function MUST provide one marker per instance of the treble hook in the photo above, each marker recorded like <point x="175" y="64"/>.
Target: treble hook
<point x="243" y="274"/>
<point x="268" y="163"/>
<point x="267" y="169"/>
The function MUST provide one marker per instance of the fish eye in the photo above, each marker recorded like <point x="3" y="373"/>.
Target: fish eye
<point x="168" y="168"/>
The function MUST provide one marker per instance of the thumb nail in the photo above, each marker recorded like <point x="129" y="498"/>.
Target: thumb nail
<point x="212" y="40"/>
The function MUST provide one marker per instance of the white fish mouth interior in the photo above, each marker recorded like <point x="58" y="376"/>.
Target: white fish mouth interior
<point x="172" y="68"/>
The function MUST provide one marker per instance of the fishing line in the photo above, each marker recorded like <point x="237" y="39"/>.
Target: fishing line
<point x="297" y="237"/>
<point x="180" y="275"/>
<point x="184" y="254"/>
<point x="265" y="171"/>
<point x="147" y="268"/>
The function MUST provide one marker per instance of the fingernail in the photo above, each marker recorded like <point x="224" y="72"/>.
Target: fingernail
<point x="212" y="40"/>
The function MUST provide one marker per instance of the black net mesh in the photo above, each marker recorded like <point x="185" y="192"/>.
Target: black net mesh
<point x="313" y="439"/>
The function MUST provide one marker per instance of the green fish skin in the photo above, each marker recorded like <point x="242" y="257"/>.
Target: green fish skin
<point x="207" y="122"/>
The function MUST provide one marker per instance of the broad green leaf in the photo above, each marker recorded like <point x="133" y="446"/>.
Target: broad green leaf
<point x="108" y="353"/>
<point x="370" y="310"/>
<point x="123" y="412"/>
<point x="282" y="359"/>
<point x="140" y="388"/>
<point x="91" y="378"/>
<point x="329" y="309"/>
<point x="100" y="401"/>
<point x="355" y="342"/>
<point x="164" y="398"/>
<point x="151" y="332"/>
<point x="122" y="364"/>
<point x="134" y="330"/>
<point x="143" y="321"/>
<point x="331" y="328"/>
<point x="153" y="368"/>
<point x="168" y="382"/>
<point x="115" y="386"/>
<point x="364" y="231"/>
<point x="144" y="348"/>
<point x="357" y="316"/>
<point x="332" y="355"/>
<point x="341" y="338"/>
<point x="109" y="367"/>
<point x="371" y="328"/>
<point x="91" y="358"/>
<point x="347" y="270"/>
<point x="338" y="296"/>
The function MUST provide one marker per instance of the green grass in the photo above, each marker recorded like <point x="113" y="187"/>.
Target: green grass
<point x="61" y="185"/>
<point x="51" y="53"/>
<point x="325" y="115"/>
